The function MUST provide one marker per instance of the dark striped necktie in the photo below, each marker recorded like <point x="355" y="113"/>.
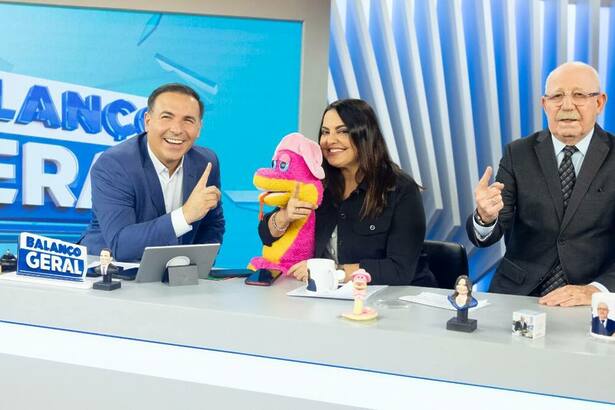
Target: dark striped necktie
<point x="556" y="277"/>
<point x="567" y="177"/>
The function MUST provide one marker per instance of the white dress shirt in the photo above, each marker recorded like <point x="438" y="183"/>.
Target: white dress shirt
<point x="172" y="192"/>
<point x="483" y="232"/>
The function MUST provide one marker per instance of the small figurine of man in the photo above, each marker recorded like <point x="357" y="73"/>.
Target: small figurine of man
<point x="462" y="300"/>
<point x="8" y="262"/>
<point x="360" y="279"/>
<point x="106" y="269"/>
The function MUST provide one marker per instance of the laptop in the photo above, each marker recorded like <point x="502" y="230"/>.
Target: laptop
<point x="155" y="258"/>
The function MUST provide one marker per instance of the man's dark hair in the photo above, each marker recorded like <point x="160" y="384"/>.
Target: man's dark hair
<point x="174" y="88"/>
<point x="106" y="250"/>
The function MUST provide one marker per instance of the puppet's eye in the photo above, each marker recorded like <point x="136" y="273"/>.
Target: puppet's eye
<point x="283" y="166"/>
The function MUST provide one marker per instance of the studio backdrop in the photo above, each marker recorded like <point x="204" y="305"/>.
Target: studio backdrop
<point x="74" y="81"/>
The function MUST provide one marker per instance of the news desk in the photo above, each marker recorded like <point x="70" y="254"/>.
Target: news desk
<point x="223" y="344"/>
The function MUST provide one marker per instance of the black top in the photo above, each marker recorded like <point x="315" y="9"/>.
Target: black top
<point x="387" y="246"/>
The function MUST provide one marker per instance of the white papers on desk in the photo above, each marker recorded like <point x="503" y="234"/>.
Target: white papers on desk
<point x="343" y="292"/>
<point x="438" y="300"/>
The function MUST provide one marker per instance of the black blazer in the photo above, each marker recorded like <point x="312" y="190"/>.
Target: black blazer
<point x="387" y="246"/>
<point x="112" y="269"/>
<point x="533" y="222"/>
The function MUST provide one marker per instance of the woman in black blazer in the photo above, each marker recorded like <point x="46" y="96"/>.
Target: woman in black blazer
<point x="372" y="215"/>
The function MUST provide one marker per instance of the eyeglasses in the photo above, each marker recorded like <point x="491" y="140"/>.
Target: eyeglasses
<point x="578" y="97"/>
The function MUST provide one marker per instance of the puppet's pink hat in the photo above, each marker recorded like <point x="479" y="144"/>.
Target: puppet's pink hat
<point x="308" y="149"/>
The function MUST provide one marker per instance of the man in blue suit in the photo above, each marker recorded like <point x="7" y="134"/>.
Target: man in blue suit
<point x="157" y="188"/>
<point x="601" y="324"/>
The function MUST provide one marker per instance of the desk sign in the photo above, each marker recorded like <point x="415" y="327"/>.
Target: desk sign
<point x="51" y="258"/>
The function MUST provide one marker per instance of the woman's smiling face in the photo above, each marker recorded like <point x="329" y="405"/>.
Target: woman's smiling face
<point x="336" y="144"/>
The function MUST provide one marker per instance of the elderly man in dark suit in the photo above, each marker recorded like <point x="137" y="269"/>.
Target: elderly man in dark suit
<point x="601" y="324"/>
<point x="554" y="199"/>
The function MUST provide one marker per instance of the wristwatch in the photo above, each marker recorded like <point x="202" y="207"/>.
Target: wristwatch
<point x="479" y="220"/>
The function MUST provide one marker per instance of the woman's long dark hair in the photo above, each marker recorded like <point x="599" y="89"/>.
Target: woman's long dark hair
<point x="468" y="286"/>
<point x="375" y="166"/>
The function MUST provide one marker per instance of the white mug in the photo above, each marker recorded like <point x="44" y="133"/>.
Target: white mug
<point x="603" y="316"/>
<point x="322" y="275"/>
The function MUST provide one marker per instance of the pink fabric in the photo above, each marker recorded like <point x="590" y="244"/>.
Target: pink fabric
<point x="307" y="149"/>
<point x="304" y="159"/>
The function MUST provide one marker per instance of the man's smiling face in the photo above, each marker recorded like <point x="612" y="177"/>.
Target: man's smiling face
<point x="568" y="121"/>
<point x="172" y="126"/>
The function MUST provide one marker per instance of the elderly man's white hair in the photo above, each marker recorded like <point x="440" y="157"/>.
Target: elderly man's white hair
<point x="573" y="64"/>
<point x="603" y="304"/>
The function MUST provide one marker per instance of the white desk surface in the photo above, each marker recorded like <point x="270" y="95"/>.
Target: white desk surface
<point x="232" y="317"/>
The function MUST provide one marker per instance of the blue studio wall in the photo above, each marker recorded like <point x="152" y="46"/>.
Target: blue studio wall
<point x="74" y="81"/>
<point x="454" y="81"/>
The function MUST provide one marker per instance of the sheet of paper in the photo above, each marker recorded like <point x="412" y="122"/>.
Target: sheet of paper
<point x="343" y="292"/>
<point x="438" y="300"/>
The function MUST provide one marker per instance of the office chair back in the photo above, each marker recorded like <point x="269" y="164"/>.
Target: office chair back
<point x="447" y="260"/>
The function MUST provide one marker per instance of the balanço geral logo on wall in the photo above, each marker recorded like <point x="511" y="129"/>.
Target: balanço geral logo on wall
<point x="50" y="135"/>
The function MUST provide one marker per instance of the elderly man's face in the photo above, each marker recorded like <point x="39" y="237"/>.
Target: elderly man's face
<point x="568" y="121"/>
<point x="603" y="311"/>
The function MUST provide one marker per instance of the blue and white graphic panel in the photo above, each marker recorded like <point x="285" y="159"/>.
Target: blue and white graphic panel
<point x="51" y="132"/>
<point x="74" y="81"/>
<point x="51" y="258"/>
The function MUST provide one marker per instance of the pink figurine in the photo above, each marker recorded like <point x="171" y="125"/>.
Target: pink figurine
<point x="360" y="279"/>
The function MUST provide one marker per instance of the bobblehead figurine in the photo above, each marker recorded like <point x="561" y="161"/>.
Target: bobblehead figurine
<point x="462" y="300"/>
<point x="106" y="269"/>
<point x="360" y="279"/>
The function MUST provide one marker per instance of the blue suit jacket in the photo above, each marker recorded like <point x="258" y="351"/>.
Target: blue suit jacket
<point x="598" y="329"/>
<point x="128" y="211"/>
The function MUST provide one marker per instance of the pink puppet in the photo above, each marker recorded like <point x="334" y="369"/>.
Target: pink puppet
<point x="297" y="161"/>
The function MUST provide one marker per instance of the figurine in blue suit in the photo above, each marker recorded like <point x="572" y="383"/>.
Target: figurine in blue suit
<point x="601" y="324"/>
<point x="157" y="188"/>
